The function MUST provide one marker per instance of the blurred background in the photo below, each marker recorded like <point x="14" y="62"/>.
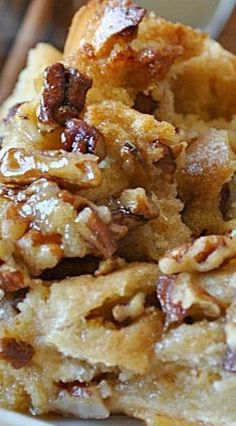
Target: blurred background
<point x="25" y="22"/>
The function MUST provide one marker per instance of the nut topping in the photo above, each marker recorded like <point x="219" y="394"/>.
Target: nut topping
<point x="96" y="232"/>
<point x="21" y="167"/>
<point x="63" y="96"/>
<point x="132" y="310"/>
<point x="11" y="281"/>
<point x="181" y="297"/>
<point x="204" y="254"/>
<point x="17" y="352"/>
<point x="138" y="203"/>
<point x="174" y="311"/>
<point x="109" y="265"/>
<point x="78" y="136"/>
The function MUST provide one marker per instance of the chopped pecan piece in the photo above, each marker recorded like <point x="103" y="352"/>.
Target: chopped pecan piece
<point x="133" y="208"/>
<point x="78" y="136"/>
<point x="60" y="225"/>
<point x="174" y="311"/>
<point x="18" y="297"/>
<point x="64" y="94"/>
<point x="204" y="254"/>
<point x="131" y="310"/>
<point x="17" y="352"/>
<point x="109" y="265"/>
<point x="180" y="297"/>
<point x="138" y="203"/>
<point x="11" y="281"/>
<point x="21" y="167"/>
<point x="96" y="232"/>
<point x="39" y="251"/>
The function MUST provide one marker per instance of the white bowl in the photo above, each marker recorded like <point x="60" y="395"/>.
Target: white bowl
<point x="9" y="418"/>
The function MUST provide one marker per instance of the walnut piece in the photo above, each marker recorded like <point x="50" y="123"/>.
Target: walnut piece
<point x="63" y="96"/>
<point x="78" y="136"/>
<point x="17" y="352"/>
<point x="204" y="254"/>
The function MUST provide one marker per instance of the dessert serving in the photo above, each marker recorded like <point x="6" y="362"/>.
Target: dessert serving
<point x="118" y="224"/>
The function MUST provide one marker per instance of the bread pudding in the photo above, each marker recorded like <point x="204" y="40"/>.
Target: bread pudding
<point x="118" y="224"/>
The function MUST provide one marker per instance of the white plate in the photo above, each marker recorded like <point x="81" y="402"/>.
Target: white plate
<point x="9" y="418"/>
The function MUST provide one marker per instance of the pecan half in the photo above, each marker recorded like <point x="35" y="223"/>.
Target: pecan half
<point x="17" y="352"/>
<point x="78" y="136"/>
<point x="64" y="94"/>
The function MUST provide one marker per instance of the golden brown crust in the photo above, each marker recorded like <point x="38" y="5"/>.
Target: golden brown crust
<point x="100" y="22"/>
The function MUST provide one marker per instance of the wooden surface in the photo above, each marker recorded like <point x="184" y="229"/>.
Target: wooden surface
<point x="228" y="36"/>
